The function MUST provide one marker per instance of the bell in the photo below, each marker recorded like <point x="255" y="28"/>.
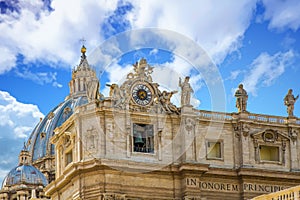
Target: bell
<point x="138" y="138"/>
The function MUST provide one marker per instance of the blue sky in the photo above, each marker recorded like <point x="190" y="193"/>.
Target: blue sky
<point x="256" y="43"/>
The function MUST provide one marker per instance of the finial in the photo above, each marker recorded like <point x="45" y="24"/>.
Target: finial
<point x="83" y="49"/>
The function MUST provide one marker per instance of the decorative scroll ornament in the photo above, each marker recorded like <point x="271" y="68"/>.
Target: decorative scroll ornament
<point x="270" y="136"/>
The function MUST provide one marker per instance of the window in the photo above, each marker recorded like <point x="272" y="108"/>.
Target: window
<point x="269" y="153"/>
<point x="69" y="157"/>
<point x="214" y="149"/>
<point x="143" y="138"/>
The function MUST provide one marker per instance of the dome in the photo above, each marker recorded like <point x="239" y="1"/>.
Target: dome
<point x="80" y="93"/>
<point x="24" y="174"/>
<point x="39" y="141"/>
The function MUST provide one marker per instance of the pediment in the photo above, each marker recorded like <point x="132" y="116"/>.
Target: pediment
<point x="270" y="135"/>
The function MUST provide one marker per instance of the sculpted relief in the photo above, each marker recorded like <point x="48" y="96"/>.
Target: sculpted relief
<point x="139" y="93"/>
<point x="91" y="138"/>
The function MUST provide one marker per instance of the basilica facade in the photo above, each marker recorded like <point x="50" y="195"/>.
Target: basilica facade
<point x="136" y="144"/>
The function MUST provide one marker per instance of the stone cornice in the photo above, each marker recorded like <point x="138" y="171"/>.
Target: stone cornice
<point x="267" y="173"/>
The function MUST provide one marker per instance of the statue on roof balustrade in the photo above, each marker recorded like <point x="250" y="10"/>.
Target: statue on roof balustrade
<point x="241" y="99"/>
<point x="186" y="91"/>
<point x="289" y="101"/>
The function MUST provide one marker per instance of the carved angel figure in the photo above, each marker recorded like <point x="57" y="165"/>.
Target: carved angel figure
<point x="115" y="94"/>
<point x="165" y="100"/>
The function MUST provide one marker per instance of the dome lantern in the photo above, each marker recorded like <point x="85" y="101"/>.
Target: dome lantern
<point x="24" y="156"/>
<point x="82" y="75"/>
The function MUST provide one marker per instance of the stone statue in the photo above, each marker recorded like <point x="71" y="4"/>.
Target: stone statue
<point x="143" y="70"/>
<point x="115" y="94"/>
<point x="165" y="100"/>
<point x="289" y="101"/>
<point x="92" y="89"/>
<point x="186" y="91"/>
<point x="241" y="99"/>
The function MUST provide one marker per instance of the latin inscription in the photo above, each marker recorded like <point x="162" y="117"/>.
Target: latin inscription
<point x="232" y="187"/>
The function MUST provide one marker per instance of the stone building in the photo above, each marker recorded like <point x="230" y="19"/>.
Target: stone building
<point x="135" y="144"/>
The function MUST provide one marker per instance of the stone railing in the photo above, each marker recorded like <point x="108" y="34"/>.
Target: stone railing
<point x="287" y="194"/>
<point x="267" y="118"/>
<point x="214" y="115"/>
<point x="210" y="115"/>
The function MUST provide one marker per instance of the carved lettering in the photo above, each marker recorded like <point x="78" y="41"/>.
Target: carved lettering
<point x="235" y="187"/>
<point x="218" y="186"/>
<point x="248" y="187"/>
<point x="191" y="181"/>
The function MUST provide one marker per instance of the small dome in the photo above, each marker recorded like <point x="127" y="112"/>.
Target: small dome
<point x="24" y="174"/>
<point x="39" y="141"/>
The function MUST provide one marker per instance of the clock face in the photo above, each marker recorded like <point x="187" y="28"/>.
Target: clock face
<point x="141" y="94"/>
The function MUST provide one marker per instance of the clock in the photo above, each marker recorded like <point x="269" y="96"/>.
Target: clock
<point x="142" y="94"/>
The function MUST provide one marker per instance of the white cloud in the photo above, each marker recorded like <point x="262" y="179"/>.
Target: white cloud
<point x="22" y="131"/>
<point x="7" y="60"/>
<point x="282" y="14"/>
<point x="56" y="84"/>
<point x="17" y="120"/>
<point x="116" y="74"/>
<point x="288" y="42"/>
<point x="217" y="26"/>
<point x="219" y="33"/>
<point x="52" y="37"/>
<point x="16" y="117"/>
<point x="153" y="52"/>
<point x="265" y="69"/>
<point x="234" y="74"/>
<point x="39" y="77"/>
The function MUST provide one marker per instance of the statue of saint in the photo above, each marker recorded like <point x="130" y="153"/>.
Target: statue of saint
<point x="241" y="98"/>
<point x="289" y="101"/>
<point x="92" y="89"/>
<point x="186" y="91"/>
